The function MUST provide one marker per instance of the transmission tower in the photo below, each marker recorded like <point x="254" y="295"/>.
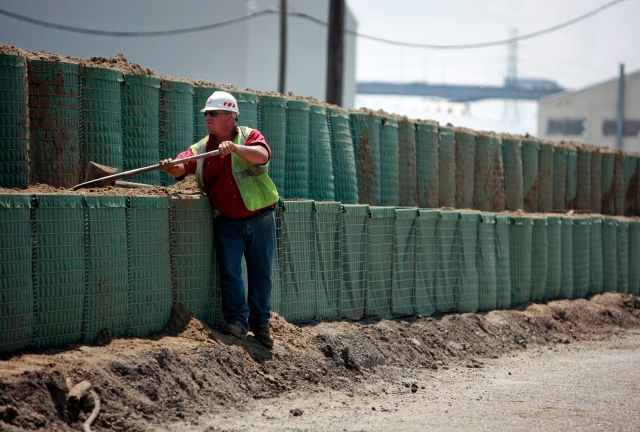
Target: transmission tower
<point x="510" y="111"/>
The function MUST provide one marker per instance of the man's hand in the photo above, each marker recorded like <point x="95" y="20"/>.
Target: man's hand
<point x="226" y="147"/>
<point x="172" y="170"/>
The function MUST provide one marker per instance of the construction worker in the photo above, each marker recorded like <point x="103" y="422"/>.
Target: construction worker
<point x="243" y="196"/>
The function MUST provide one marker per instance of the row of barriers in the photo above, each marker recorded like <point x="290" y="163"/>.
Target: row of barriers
<point x="72" y="265"/>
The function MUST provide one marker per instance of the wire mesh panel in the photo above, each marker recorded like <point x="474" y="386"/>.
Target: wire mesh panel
<point x="296" y="180"/>
<point x="619" y="182"/>
<point x="16" y="289"/>
<point x="596" y="181"/>
<point x="365" y="132"/>
<point x="447" y="166"/>
<point x="328" y="230"/>
<point x="489" y="191"/>
<point x="176" y="121"/>
<point x="530" y="172"/>
<point x="389" y="176"/>
<point x="572" y="178"/>
<point x="595" y="256"/>
<point x="539" y="259"/>
<point x="465" y="140"/>
<point x="14" y="122"/>
<point x="554" y="258"/>
<point x="54" y="122"/>
<point x="196" y="271"/>
<point x="567" y="257"/>
<point x="630" y="168"/>
<point x="520" y="244"/>
<point x="59" y="269"/>
<point x="272" y="122"/>
<point x="407" y="172"/>
<point x="583" y="191"/>
<point x="634" y="257"/>
<point x="320" y="163"/>
<point x="278" y="261"/>
<point x="623" y="256"/>
<point x="106" y="297"/>
<point x="448" y="256"/>
<point x="248" y="107"/>
<point x="380" y="261"/>
<point x="581" y="256"/>
<point x="426" y="260"/>
<point x="355" y="244"/>
<point x="503" y="266"/>
<point x="512" y="159"/>
<point x="487" y="279"/>
<point x="344" y="164"/>
<point x="404" y="261"/>
<point x="608" y="183"/>
<point x="610" y="253"/>
<point x="200" y="95"/>
<point x="101" y="122"/>
<point x="545" y="168"/>
<point x="140" y="125"/>
<point x="427" y="164"/>
<point x="467" y="295"/>
<point x="559" y="178"/>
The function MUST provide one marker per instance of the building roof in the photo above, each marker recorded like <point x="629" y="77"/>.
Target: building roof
<point x="568" y="93"/>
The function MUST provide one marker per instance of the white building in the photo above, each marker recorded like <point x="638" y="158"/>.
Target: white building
<point x="244" y="53"/>
<point x="589" y="115"/>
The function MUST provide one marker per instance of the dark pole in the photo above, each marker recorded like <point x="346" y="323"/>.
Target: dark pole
<point x="335" y="52"/>
<point x="620" y="110"/>
<point x="283" y="47"/>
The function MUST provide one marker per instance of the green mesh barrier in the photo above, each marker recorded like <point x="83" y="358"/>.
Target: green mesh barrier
<point x="610" y="253"/>
<point x="447" y="166"/>
<point x="583" y="192"/>
<point x="623" y="256"/>
<point x="300" y="276"/>
<point x="196" y="269"/>
<point x="407" y="174"/>
<point x="520" y="244"/>
<point x="175" y="120"/>
<point x="14" y="126"/>
<point x="54" y="123"/>
<point x="545" y="174"/>
<point x="467" y="295"/>
<point x="633" y="193"/>
<point x="272" y="122"/>
<point x="320" y="163"/>
<point x="608" y="183"/>
<point x="404" y="263"/>
<point x="487" y="279"/>
<point x="619" y="183"/>
<point x="248" y="107"/>
<point x="427" y="165"/>
<point x="554" y="258"/>
<point x="488" y="191"/>
<point x="465" y="166"/>
<point x="140" y="125"/>
<point x="200" y="96"/>
<point x="512" y="160"/>
<point x="630" y="167"/>
<point x="107" y="255"/>
<point x="539" y="259"/>
<point x="344" y="164"/>
<point x="530" y="173"/>
<point x="278" y="262"/>
<point x="581" y="256"/>
<point x="634" y="257"/>
<point x="380" y="261"/>
<point x="638" y="185"/>
<point x="559" y="178"/>
<point x="389" y="176"/>
<point x="567" y="258"/>
<point x="296" y="181"/>
<point x="595" y="256"/>
<point x="101" y="122"/>
<point x="328" y="219"/>
<point x="16" y="289"/>
<point x="426" y="260"/>
<point x="572" y="178"/>
<point x="448" y="255"/>
<point x="503" y="266"/>
<point x="596" y="181"/>
<point x="355" y="244"/>
<point x="59" y="269"/>
<point x="150" y="296"/>
<point x="365" y="132"/>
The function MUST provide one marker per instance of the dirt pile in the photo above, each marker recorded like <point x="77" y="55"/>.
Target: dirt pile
<point x="189" y="369"/>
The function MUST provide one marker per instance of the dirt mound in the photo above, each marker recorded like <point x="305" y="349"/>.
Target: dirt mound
<point x="190" y="369"/>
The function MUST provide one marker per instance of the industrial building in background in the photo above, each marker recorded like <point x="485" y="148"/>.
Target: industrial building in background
<point x="605" y="114"/>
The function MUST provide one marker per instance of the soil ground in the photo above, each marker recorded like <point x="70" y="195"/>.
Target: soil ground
<point x="193" y="378"/>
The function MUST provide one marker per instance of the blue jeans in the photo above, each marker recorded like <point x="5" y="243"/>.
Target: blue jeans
<point x="255" y="238"/>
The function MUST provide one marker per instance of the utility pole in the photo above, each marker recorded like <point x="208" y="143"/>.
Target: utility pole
<point x="282" y="73"/>
<point x="335" y="52"/>
<point x="620" y="111"/>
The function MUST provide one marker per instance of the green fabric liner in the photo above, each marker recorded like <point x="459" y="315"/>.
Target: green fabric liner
<point x="248" y="107"/>
<point x="380" y="261"/>
<point x="321" y="186"/>
<point x="403" y="295"/>
<point x="572" y="178"/>
<point x="503" y="266"/>
<point x="595" y="256"/>
<point x="583" y="191"/>
<point x="634" y="257"/>
<point x="200" y="96"/>
<point x="355" y="245"/>
<point x="427" y="165"/>
<point x="559" y="178"/>
<point x="489" y="192"/>
<point x="467" y="295"/>
<point x="513" y="177"/>
<point x="545" y="175"/>
<point x="596" y="182"/>
<point x="272" y="122"/>
<point x="610" y="253"/>
<point x="426" y="260"/>
<point x="389" y="175"/>
<point x="630" y="185"/>
<point x="567" y="257"/>
<point x="16" y="289"/>
<point x="278" y="263"/>
<point x="365" y="132"/>
<point x="296" y="181"/>
<point x="539" y="260"/>
<point x="608" y="184"/>
<point x="623" y="256"/>
<point x="465" y="143"/>
<point x="328" y="222"/>
<point x="554" y="258"/>
<point x="581" y="256"/>
<point x="487" y="279"/>
<point x="344" y="164"/>
<point x="448" y="255"/>
<point x="619" y="183"/>
<point x="447" y="166"/>
<point x="530" y="173"/>
<point x="520" y="244"/>
<point x="175" y="121"/>
<point x="407" y="180"/>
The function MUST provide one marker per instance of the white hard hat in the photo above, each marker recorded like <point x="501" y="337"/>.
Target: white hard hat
<point x="221" y="101"/>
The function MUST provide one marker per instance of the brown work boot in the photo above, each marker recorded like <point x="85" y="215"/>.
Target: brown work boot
<point x="236" y="329"/>
<point x="263" y="335"/>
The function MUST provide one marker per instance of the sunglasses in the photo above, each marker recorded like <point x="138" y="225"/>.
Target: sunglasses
<point x="214" y="113"/>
